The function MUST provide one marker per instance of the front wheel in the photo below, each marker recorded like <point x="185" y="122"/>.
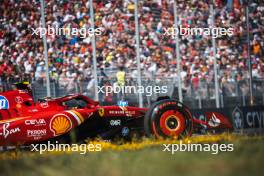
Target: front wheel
<point x="168" y="118"/>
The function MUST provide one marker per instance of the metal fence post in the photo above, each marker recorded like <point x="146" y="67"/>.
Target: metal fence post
<point x="33" y="91"/>
<point x="263" y="99"/>
<point x="138" y="52"/>
<point x="215" y="60"/>
<point x="54" y="89"/>
<point x="249" y="59"/>
<point x="200" y="102"/>
<point x="177" y="53"/>
<point x="94" y="52"/>
<point x="222" y="100"/>
<point x="43" y="25"/>
<point x="244" y="100"/>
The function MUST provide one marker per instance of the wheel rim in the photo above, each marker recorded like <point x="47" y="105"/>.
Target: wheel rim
<point x="172" y="123"/>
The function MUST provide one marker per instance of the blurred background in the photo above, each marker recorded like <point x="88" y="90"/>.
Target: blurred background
<point x="239" y="58"/>
<point x="200" y="71"/>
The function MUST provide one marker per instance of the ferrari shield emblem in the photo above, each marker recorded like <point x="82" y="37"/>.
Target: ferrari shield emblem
<point x="101" y="112"/>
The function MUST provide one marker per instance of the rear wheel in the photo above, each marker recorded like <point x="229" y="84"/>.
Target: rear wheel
<point x="168" y="118"/>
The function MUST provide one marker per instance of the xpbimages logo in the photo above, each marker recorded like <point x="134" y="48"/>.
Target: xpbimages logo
<point x="81" y="148"/>
<point x="195" y="31"/>
<point x="189" y="147"/>
<point x="67" y="31"/>
<point x="148" y="90"/>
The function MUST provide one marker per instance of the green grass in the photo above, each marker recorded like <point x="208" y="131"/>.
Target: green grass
<point x="246" y="159"/>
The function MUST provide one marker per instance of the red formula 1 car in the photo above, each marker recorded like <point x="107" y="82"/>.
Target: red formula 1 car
<point x="23" y="121"/>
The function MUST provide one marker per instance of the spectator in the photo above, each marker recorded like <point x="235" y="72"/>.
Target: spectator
<point x="21" y="53"/>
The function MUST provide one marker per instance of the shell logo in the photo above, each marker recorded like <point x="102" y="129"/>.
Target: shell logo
<point x="60" y="124"/>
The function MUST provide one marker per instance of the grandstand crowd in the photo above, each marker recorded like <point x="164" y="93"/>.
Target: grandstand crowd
<point x="70" y="57"/>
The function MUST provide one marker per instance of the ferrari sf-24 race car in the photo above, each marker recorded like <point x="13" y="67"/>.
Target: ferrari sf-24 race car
<point x="23" y="121"/>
